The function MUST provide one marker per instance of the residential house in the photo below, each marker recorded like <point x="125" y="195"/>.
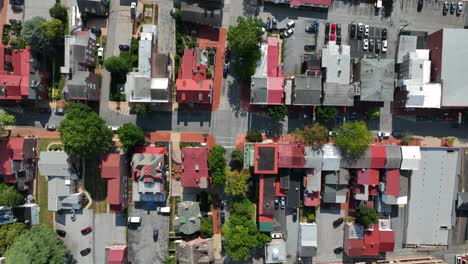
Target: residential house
<point x="391" y="189"/>
<point x="18" y="161"/>
<point x="27" y="214"/>
<point x="377" y="79"/>
<point x="62" y="181"/>
<point x="148" y="174"/>
<point x="197" y="251"/>
<point x="114" y="169"/>
<point x="304" y="90"/>
<point x="195" y="167"/>
<point x="304" y="3"/>
<point x="81" y="83"/>
<point x="336" y="186"/>
<point x="117" y="254"/>
<point x="275" y="251"/>
<point x="266" y="158"/>
<point x="313" y="178"/>
<point x="267" y="83"/>
<point x="430" y="210"/>
<point x="151" y="83"/>
<point x="187" y="220"/>
<point x="337" y="87"/>
<point x="202" y="12"/>
<point x="94" y="7"/>
<point x="19" y="76"/>
<point x="192" y="84"/>
<point x="6" y="215"/>
<point x="449" y="58"/>
<point x="359" y="241"/>
<point x="307" y="240"/>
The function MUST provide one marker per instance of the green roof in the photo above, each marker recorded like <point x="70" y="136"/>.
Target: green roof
<point x="265" y="226"/>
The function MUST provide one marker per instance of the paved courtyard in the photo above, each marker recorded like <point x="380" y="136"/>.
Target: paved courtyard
<point x="329" y="237"/>
<point x="110" y="230"/>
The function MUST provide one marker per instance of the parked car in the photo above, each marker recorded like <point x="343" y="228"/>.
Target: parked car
<point x="276" y="202"/>
<point x="453" y="7"/>
<point x="61" y="233"/>
<point x="366" y="44"/>
<point x="338" y="222"/>
<point x="309" y="48"/>
<point x="85" y="252"/>
<point x="338" y="40"/>
<point x="276" y="235"/>
<point x="73" y="215"/>
<point x="59" y="111"/>
<point x="371" y="45"/>
<point x="227" y="55"/>
<point x="96" y="31"/>
<point x="17" y="8"/>
<point x="445" y="8"/>
<point x="366" y="31"/>
<point x="283" y="202"/>
<point x="134" y="220"/>
<point x="294" y="216"/>
<point x="352" y="31"/>
<point x="384" y="46"/>
<point x="14" y="21"/>
<point x="378" y="46"/>
<point x="123" y="47"/>
<point x="86" y="230"/>
<point x="383" y="134"/>
<point x="311" y="29"/>
<point x="332" y="37"/>
<point x="113" y="128"/>
<point x="288" y="32"/>
<point x="360" y="31"/>
<point x="420" y="5"/>
<point x="398" y="134"/>
<point x="327" y="28"/>
<point x="333" y="29"/>
<point x="384" y="33"/>
<point x="225" y="70"/>
<point x="327" y="38"/>
<point x="222" y="217"/>
<point x="460" y="8"/>
<point x="155" y="234"/>
<point x="331" y="133"/>
<point x="51" y="127"/>
<point x="338" y="29"/>
<point x="338" y="250"/>
<point x="291" y="24"/>
<point x="268" y="24"/>
<point x="133" y="6"/>
<point x="274" y="23"/>
<point x="100" y="54"/>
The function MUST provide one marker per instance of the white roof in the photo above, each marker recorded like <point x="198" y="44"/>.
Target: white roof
<point x="337" y="61"/>
<point x="331" y="158"/>
<point x="411" y="157"/>
<point x="262" y="63"/>
<point x="159" y="83"/>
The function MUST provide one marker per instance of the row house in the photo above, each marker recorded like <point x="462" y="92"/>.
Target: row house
<point x="114" y="169"/>
<point x="360" y="241"/>
<point x="18" y="161"/>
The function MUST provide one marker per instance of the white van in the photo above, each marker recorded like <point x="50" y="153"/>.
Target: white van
<point x="290" y="24"/>
<point x="164" y="210"/>
<point x="134" y="220"/>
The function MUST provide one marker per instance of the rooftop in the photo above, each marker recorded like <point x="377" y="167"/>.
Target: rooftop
<point x="188" y="217"/>
<point x="275" y="252"/>
<point x="199" y="250"/>
<point x="15" y="73"/>
<point x="377" y="79"/>
<point x="266" y="158"/>
<point x="195" y="167"/>
<point x="307" y="239"/>
<point x="207" y="13"/>
<point x="291" y="156"/>
<point x="318" y="3"/>
<point x="337" y="61"/>
<point x="307" y="90"/>
<point x="114" y="168"/>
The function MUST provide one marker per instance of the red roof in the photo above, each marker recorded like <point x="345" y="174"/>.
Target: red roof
<point x="354" y="247"/>
<point x="387" y="241"/>
<point x="195" y="162"/>
<point x="275" y="90"/>
<point x="392" y="186"/>
<point x="272" y="57"/>
<point x="261" y="187"/>
<point x="312" y="199"/>
<point x="110" y="167"/>
<point x="11" y="149"/>
<point x="368" y="177"/>
<point x="16" y="82"/>
<point x="371" y="242"/>
<point x="291" y="156"/>
<point x="298" y="3"/>
<point x="379" y="156"/>
<point x="151" y="150"/>
<point x="278" y="191"/>
<point x="117" y="255"/>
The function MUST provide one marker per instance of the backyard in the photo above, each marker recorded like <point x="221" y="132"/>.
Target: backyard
<point x="96" y="186"/>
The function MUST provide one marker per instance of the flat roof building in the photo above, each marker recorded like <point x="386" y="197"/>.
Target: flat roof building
<point x="377" y="79"/>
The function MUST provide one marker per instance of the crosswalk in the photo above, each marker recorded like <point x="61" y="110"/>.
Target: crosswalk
<point x="406" y="117"/>
<point x="15" y="109"/>
<point x="226" y="142"/>
<point x="123" y="112"/>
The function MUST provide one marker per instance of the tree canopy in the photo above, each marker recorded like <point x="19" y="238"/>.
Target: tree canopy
<point x="54" y="30"/>
<point x="130" y="136"/>
<point x="242" y="206"/>
<point x="84" y="133"/>
<point x="254" y="136"/>
<point x="35" y="34"/>
<point x="237" y="182"/>
<point x="118" y="67"/>
<point x="277" y="112"/>
<point x="353" y="138"/>
<point x="9" y="196"/>
<point x="237" y="159"/>
<point x="312" y="135"/>
<point x="6" y="120"/>
<point x="367" y="216"/>
<point x="59" y="11"/>
<point x="206" y="227"/>
<point x="38" y="246"/>
<point x="326" y="113"/>
<point x="9" y="233"/>
<point x="217" y="164"/>
<point x="244" y="41"/>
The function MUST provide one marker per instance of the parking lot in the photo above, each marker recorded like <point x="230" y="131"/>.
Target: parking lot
<point x="141" y="246"/>
<point x="110" y="230"/>
<point x="329" y="237"/>
<point x="357" y="45"/>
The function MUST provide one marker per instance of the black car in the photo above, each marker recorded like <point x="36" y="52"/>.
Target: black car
<point x="59" y="111"/>
<point x="123" y="47"/>
<point x="309" y="48"/>
<point x="338" y="250"/>
<point x="327" y="38"/>
<point x="453" y="8"/>
<point x="338" y="29"/>
<point x="384" y="34"/>
<point x="338" y="40"/>
<point x="222" y="217"/>
<point x="274" y="23"/>
<point x="17" y="8"/>
<point x="338" y="222"/>
<point x="327" y="28"/>
<point x="85" y="252"/>
<point x="371" y="44"/>
<point x="155" y="234"/>
<point x="420" y="5"/>
<point x="378" y="46"/>
<point x="294" y="216"/>
<point x="61" y="233"/>
<point x="311" y="29"/>
<point x="360" y="31"/>
<point x="398" y="134"/>
<point x="14" y="21"/>
<point x="276" y="202"/>
<point x="96" y="31"/>
<point x="353" y="31"/>
<point x="225" y="70"/>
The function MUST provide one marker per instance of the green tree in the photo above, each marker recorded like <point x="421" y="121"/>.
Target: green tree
<point x="254" y="136"/>
<point x="139" y="109"/>
<point x="217" y="164"/>
<point x="70" y="106"/>
<point x="118" y="67"/>
<point x="312" y="135"/>
<point x="130" y="136"/>
<point x="40" y="245"/>
<point x="237" y="159"/>
<point x="277" y="112"/>
<point x="374" y="112"/>
<point x="407" y="137"/>
<point x="367" y="216"/>
<point x="242" y="206"/>
<point x="388" y="7"/>
<point x="59" y="11"/>
<point x="244" y="41"/>
<point x="35" y="34"/>
<point x="206" y="227"/>
<point x="353" y="138"/>
<point x="204" y="200"/>
<point x="326" y="113"/>
<point x="235" y="232"/>
<point x="84" y="133"/>
<point x="6" y="120"/>
<point x="237" y="182"/>
<point x="54" y="30"/>
<point x="9" y="196"/>
<point x="9" y="233"/>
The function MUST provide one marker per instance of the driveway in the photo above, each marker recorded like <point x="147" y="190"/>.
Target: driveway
<point x="293" y="233"/>
<point x="109" y="229"/>
<point x="141" y="246"/>
<point x="166" y="26"/>
<point x="329" y="238"/>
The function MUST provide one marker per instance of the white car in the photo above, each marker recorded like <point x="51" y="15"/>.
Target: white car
<point x="276" y="235"/>
<point x="366" y="30"/>
<point x="288" y="32"/>
<point x="366" y="44"/>
<point x="290" y="24"/>
<point x="460" y="8"/>
<point x="100" y="54"/>
<point x="384" y="134"/>
<point x="384" y="46"/>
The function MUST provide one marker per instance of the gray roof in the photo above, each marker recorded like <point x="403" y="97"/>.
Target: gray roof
<point x="336" y="59"/>
<point x="195" y="251"/>
<point x="94" y="7"/>
<point x="203" y="13"/>
<point x="61" y="194"/>
<point x="313" y="157"/>
<point x="144" y="57"/>
<point x="84" y="85"/>
<point x="336" y="177"/>
<point x="307" y="90"/>
<point x="307" y="240"/>
<point x="188" y="216"/>
<point x="148" y="166"/>
<point x="335" y="94"/>
<point x="275" y="252"/>
<point x="364" y="161"/>
<point x="393" y="157"/>
<point x="335" y="193"/>
<point x="431" y="202"/>
<point x="462" y="201"/>
<point x="377" y="78"/>
<point x="258" y="90"/>
<point x="331" y="157"/>
<point x="162" y="62"/>
<point x="54" y="163"/>
<point x="453" y="67"/>
<point x="406" y="44"/>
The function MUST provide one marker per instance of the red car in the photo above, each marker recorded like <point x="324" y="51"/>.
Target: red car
<point x="332" y="37"/>
<point x="86" y="231"/>
<point x="333" y="29"/>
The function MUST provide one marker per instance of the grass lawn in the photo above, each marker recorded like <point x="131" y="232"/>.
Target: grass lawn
<point x="96" y="186"/>
<point x="45" y="216"/>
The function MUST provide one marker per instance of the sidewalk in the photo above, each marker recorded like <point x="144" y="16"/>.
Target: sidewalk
<point x="218" y="75"/>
